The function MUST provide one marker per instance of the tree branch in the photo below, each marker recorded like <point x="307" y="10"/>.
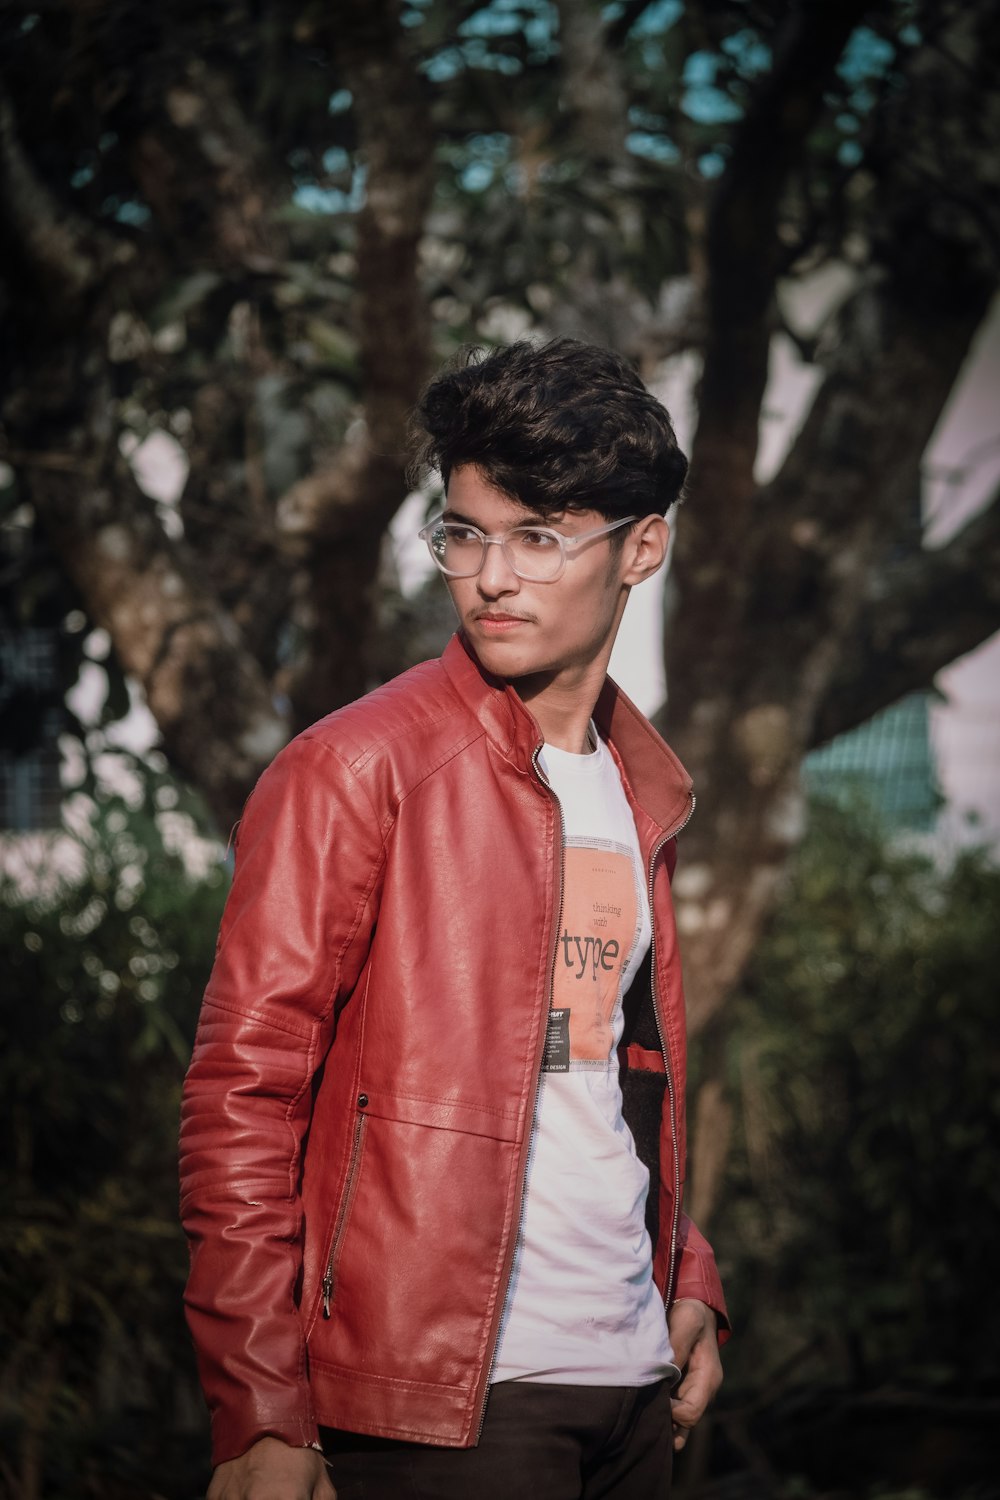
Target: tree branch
<point x="591" y="90"/>
<point x="396" y="140"/>
<point x="743" y="257"/>
<point x="617" y="32"/>
<point x="844" y="494"/>
<point x="349" y="504"/>
<point x="597" y="299"/>
<point x="919" y="616"/>
<point x="724" y="557"/>
<point x="202" y="169"/>
<point x="851" y="477"/>
<point x="327" y="505"/>
<point x="774" y="589"/>
<point x="206" y="692"/>
<point x="63" y="256"/>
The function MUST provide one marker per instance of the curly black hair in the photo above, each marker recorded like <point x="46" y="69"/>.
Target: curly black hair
<point x="557" y="426"/>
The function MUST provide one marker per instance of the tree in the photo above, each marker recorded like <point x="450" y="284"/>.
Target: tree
<point x="650" y="174"/>
<point x="156" y="213"/>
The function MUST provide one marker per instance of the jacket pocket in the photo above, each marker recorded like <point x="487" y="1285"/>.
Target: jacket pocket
<point x="340" y="1226"/>
<point x="418" y="1258"/>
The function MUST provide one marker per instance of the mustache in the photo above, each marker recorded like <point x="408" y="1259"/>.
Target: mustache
<point x="490" y="611"/>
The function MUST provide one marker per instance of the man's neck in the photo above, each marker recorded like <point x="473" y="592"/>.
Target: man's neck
<point x="563" y="709"/>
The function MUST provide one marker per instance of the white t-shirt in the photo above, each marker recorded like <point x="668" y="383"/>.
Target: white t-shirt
<point x="582" y="1308"/>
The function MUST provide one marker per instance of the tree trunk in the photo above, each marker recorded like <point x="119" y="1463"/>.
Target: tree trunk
<point x="355" y="500"/>
<point x="210" y="700"/>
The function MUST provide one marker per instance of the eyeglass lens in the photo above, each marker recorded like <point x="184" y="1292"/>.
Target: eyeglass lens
<point x="460" y="550"/>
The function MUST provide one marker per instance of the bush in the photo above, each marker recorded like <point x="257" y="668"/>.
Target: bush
<point x="858" y="1226"/>
<point x="104" y="976"/>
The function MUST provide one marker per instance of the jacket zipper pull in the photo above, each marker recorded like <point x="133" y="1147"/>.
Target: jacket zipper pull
<point x="327" y="1293"/>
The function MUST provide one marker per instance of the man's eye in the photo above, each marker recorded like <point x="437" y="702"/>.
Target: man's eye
<point x="538" y="541"/>
<point x="462" y="534"/>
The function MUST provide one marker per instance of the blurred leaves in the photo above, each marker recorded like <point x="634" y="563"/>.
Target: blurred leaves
<point x="104" y="969"/>
<point x="203" y="167"/>
<point x="858" y="1225"/>
<point x="858" y="1218"/>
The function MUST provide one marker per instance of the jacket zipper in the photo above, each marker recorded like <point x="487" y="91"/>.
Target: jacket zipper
<point x="534" y="1103"/>
<point x="345" y="1206"/>
<point x="676" y="1211"/>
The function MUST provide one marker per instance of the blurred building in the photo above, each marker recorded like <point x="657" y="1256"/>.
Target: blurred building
<point x="887" y="764"/>
<point x="32" y="717"/>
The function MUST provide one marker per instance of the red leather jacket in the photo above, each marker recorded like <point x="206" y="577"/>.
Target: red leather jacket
<point x="359" y="1105"/>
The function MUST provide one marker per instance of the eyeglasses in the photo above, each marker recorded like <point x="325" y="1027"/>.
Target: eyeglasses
<point x="535" y="553"/>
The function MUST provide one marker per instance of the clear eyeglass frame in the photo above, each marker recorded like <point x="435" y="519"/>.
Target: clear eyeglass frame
<point x="565" y="545"/>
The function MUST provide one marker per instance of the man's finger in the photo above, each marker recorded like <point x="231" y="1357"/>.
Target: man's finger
<point x="682" y="1431"/>
<point x="684" y="1419"/>
<point x="692" y="1398"/>
<point x="688" y="1413"/>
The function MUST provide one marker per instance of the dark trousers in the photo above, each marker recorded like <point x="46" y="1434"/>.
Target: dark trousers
<point x="549" y="1442"/>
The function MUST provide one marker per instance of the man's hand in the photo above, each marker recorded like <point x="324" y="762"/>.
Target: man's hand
<point x="693" y="1336"/>
<point x="271" y="1470"/>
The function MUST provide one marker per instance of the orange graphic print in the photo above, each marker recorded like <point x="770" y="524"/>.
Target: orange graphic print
<point x="599" y="926"/>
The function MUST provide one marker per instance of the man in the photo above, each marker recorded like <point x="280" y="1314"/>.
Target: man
<point x="433" y="1133"/>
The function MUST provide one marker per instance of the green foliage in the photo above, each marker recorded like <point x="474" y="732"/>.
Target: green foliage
<point x="855" y="1220"/>
<point x="105" y="966"/>
<point x="521" y="203"/>
<point x="248" y="362"/>
<point x="856" y="1223"/>
<point x="860" y="1216"/>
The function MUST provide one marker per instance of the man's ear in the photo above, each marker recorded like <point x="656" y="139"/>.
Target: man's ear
<point x="645" y="549"/>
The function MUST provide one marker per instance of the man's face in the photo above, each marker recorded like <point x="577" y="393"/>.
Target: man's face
<point x="524" y="629"/>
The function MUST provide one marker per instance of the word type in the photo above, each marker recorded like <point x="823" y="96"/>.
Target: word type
<point x="590" y="952"/>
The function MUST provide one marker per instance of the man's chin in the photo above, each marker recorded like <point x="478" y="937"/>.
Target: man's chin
<point x="505" y="658"/>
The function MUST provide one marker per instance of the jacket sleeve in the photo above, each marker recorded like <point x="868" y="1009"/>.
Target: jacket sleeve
<point x="698" y="1275"/>
<point x="293" y="939"/>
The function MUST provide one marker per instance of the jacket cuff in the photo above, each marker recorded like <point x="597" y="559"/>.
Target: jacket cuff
<point x="234" y="1433"/>
<point x="698" y="1277"/>
<point x="700" y="1292"/>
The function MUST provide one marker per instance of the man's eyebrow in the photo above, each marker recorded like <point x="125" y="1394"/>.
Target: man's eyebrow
<point x="531" y="518"/>
<point x="456" y="515"/>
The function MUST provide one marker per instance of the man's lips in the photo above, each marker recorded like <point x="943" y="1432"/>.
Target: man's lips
<point x="497" y="621"/>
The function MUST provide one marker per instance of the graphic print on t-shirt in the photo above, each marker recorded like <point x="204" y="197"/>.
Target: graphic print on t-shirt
<point x="600" y="926"/>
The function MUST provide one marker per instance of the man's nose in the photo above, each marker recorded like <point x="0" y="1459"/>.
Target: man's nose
<point x="496" y="576"/>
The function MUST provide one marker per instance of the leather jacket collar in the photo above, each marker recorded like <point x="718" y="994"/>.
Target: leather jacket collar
<point x="655" y="777"/>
